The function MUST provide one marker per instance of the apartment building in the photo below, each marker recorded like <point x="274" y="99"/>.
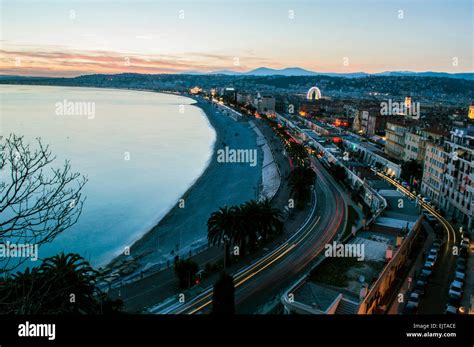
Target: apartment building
<point x="458" y="180"/>
<point x="416" y="140"/>
<point x="395" y="131"/>
<point x="434" y="167"/>
<point x="264" y="103"/>
<point x="414" y="148"/>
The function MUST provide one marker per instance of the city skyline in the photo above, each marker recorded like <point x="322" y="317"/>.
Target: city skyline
<point x="175" y="37"/>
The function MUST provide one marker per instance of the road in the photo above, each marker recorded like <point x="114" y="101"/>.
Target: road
<point x="437" y="289"/>
<point x="267" y="277"/>
<point x="451" y="234"/>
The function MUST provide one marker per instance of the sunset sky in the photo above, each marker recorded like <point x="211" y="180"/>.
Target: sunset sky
<point x="70" y="38"/>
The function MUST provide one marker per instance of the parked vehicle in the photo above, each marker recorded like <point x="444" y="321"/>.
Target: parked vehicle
<point x="430" y="263"/>
<point x="430" y="218"/>
<point x="409" y="308"/>
<point x="423" y="276"/>
<point x="461" y="267"/>
<point x="450" y="309"/>
<point x="426" y="270"/>
<point x="437" y="244"/>
<point x="459" y="276"/>
<point x="465" y="242"/>
<point x="455" y="290"/>
<point x="419" y="287"/>
<point x="463" y="253"/>
<point x="414" y="299"/>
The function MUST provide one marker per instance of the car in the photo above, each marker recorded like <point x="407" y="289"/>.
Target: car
<point x="423" y="276"/>
<point x="432" y="257"/>
<point x="454" y="301"/>
<point x="455" y="290"/>
<point x="414" y="299"/>
<point x="436" y="246"/>
<point x="430" y="263"/>
<point x="464" y="253"/>
<point x="426" y="200"/>
<point x="405" y="184"/>
<point x="409" y="308"/>
<point x="426" y="270"/>
<point x="465" y="243"/>
<point x="433" y="253"/>
<point x="459" y="276"/>
<point x="430" y="218"/>
<point x="450" y="309"/>
<point x="419" y="288"/>
<point x="461" y="266"/>
<point x="421" y="282"/>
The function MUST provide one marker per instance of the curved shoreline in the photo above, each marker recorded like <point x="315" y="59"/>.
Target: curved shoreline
<point x="206" y="194"/>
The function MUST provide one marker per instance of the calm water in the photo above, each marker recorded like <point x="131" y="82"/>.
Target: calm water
<point x="168" y="146"/>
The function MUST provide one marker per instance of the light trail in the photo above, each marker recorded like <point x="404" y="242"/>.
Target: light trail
<point x="447" y="226"/>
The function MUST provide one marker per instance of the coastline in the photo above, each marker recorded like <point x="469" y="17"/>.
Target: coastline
<point x="183" y="228"/>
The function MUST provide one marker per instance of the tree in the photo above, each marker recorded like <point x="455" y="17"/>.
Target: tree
<point x="223" y="296"/>
<point x="257" y="220"/>
<point x="222" y="227"/>
<point x="37" y="201"/>
<point x="301" y="179"/>
<point x="270" y="223"/>
<point x="186" y="271"/>
<point x="243" y="225"/>
<point x="62" y="284"/>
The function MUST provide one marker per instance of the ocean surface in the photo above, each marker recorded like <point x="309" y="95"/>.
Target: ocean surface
<point x="140" y="151"/>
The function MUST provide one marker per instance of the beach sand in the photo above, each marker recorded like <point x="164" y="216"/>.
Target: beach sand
<point x="220" y="184"/>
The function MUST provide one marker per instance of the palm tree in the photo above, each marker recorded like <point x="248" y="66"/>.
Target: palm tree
<point x="20" y="293"/>
<point x="260" y="221"/>
<point x="69" y="274"/>
<point x="249" y="224"/>
<point x="48" y="289"/>
<point x="301" y="178"/>
<point x="270" y="222"/>
<point x="221" y="228"/>
<point x="244" y="225"/>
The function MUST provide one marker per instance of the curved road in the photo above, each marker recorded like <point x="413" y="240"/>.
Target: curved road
<point x="434" y="301"/>
<point x="267" y="277"/>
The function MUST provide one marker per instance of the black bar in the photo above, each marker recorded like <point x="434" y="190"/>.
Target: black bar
<point x="277" y="329"/>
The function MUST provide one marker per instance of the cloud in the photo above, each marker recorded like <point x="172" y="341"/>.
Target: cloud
<point x="66" y="62"/>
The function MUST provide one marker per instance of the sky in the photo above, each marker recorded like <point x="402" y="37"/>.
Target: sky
<point x="71" y="38"/>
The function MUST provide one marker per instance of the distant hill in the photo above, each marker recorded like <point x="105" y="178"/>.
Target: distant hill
<point x="296" y="71"/>
<point x="465" y="75"/>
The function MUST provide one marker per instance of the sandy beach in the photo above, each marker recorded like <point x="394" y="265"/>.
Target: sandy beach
<point x="184" y="228"/>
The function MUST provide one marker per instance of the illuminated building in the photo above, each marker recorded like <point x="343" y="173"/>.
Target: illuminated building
<point x="471" y="112"/>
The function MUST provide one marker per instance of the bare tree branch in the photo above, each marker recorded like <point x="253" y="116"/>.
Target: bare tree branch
<point x="37" y="201"/>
